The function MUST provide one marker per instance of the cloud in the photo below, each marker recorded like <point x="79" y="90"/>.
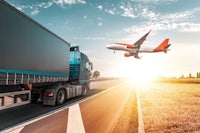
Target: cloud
<point x="35" y="8"/>
<point x="85" y="17"/>
<point x="35" y="12"/>
<point x="180" y="21"/>
<point x="189" y="27"/>
<point x="165" y="25"/>
<point x="141" y="10"/>
<point x="100" y="24"/>
<point x="45" y="5"/>
<point x="154" y="1"/>
<point x="110" y="11"/>
<point x="127" y="11"/>
<point x="69" y="2"/>
<point x="100" y="7"/>
<point x="100" y="21"/>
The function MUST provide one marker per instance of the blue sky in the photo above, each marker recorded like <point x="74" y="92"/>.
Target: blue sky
<point x="92" y="24"/>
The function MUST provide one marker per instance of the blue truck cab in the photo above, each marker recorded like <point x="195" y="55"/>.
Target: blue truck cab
<point x="80" y="68"/>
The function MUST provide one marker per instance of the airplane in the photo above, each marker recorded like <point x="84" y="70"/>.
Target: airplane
<point x="135" y="48"/>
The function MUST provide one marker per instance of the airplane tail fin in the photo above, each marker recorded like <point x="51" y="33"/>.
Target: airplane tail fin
<point x="163" y="46"/>
<point x="165" y="49"/>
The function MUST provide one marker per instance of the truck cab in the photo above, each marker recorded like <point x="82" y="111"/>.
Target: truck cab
<point x="79" y="80"/>
<point x="80" y="68"/>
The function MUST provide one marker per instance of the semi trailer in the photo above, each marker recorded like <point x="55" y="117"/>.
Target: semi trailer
<point x="37" y="65"/>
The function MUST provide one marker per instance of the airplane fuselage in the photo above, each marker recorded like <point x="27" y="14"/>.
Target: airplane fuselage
<point x="131" y="50"/>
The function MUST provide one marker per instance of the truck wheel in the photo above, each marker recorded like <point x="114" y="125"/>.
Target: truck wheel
<point x="85" y="90"/>
<point x="60" y="98"/>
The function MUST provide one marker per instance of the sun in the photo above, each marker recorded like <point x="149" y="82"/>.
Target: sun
<point x="141" y="71"/>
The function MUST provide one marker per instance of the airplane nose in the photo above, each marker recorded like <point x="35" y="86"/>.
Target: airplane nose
<point x="108" y="46"/>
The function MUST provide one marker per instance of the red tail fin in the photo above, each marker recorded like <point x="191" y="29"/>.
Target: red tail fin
<point x="162" y="46"/>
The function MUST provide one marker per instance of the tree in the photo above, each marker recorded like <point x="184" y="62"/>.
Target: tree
<point x="190" y="75"/>
<point x="90" y="74"/>
<point x="96" y="74"/>
<point x="198" y="74"/>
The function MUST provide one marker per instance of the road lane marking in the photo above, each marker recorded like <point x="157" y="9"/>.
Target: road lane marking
<point x="140" y="120"/>
<point x="23" y="124"/>
<point x="75" y="122"/>
<point x="15" y="130"/>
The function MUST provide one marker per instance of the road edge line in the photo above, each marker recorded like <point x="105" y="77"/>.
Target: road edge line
<point x="140" y="119"/>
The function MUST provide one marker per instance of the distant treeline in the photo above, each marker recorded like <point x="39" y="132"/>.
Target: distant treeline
<point x="180" y="80"/>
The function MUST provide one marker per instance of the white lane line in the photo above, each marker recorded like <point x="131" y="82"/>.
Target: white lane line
<point x="140" y="120"/>
<point x="75" y="122"/>
<point x="16" y="130"/>
<point x="23" y="124"/>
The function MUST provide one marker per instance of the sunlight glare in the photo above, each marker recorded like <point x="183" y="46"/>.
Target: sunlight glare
<point x="140" y="72"/>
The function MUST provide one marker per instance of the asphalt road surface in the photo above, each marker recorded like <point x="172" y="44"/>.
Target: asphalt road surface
<point x="99" y="111"/>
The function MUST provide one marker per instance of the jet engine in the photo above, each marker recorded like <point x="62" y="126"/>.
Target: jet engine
<point x="127" y="54"/>
<point x="130" y="46"/>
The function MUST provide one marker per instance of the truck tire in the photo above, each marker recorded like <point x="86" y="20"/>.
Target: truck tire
<point x="60" y="97"/>
<point x="85" y="89"/>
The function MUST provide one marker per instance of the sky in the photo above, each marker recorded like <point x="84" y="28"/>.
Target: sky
<point x="93" y="24"/>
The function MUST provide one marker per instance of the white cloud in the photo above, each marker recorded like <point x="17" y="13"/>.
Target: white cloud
<point x="189" y="27"/>
<point x="46" y="5"/>
<point x="35" y="7"/>
<point x="69" y="2"/>
<point x="110" y="11"/>
<point x="85" y="17"/>
<point x="35" y="12"/>
<point x="100" y="21"/>
<point x="100" y="7"/>
<point x="180" y="21"/>
<point x="127" y="11"/>
<point x="165" y="25"/>
<point x="146" y="13"/>
<point x="155" y="1"/>
<point x="100" y="24"/>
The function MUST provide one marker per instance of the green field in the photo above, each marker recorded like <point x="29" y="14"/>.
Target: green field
<point x="170" y="107"/>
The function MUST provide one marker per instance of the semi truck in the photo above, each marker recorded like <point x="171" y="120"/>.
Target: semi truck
<point x="37" y="65"/>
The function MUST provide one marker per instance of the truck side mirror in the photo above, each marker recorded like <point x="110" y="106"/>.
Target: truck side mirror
<point x="91" y="64"/>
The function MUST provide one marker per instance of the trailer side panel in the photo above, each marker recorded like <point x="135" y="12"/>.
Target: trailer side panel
<point x="27" y="46"/>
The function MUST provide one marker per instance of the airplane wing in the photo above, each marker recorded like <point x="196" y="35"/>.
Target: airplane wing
<point x="124" y="44"/>
<point x="138" y="43"/>
<point x="141" y="40"/>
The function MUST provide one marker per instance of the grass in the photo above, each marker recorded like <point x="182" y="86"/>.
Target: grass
<point x="170" y="107"/>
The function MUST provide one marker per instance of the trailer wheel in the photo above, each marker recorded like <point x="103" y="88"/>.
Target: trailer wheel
<point x="85" y="89"/>
<point x="60" y="98"/>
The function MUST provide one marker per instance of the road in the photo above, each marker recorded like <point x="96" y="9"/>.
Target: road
<point x="98" y="112"/>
